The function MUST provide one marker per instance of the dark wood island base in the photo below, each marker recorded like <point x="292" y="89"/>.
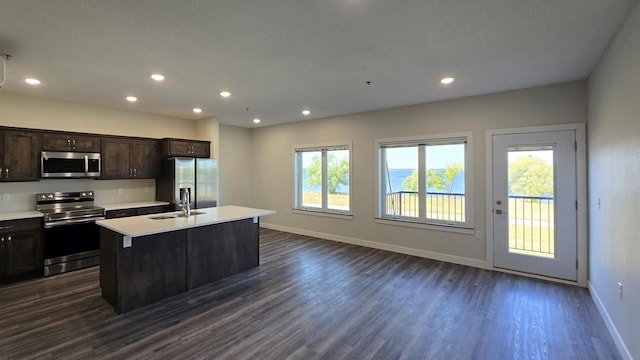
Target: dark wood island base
<point x="139" y="271"/>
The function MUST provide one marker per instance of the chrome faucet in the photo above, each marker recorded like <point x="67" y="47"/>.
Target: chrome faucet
<point x="185" y="197"/>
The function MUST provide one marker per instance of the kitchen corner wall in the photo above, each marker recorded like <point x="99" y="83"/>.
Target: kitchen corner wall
<point x="38" y="113"/>
<point x="272" y="171"/>
<point x="614" y="189"/>
<point x="235" y="166"/>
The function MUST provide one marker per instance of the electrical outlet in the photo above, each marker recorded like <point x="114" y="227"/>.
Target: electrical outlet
<point x="6" y="196"/>
<point x="620" y="289"/>
<point x="478" y="234"/>
<point x="120" y="191"/>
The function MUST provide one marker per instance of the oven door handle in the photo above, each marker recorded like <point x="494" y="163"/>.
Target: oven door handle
<point x="71" y="222"/>
<point x="78" y="217"/>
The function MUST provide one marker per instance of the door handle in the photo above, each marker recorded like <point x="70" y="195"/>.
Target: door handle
<point x="499" y="212"/>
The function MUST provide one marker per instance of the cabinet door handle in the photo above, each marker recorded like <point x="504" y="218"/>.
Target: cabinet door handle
<point x="9" y="238"/>
<point x="6" y="172"/>
<point x="130" y="172"/>
<point x="135" y="172"/>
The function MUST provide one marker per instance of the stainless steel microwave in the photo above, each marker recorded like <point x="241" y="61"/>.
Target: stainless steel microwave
<point x="69" y="165"/>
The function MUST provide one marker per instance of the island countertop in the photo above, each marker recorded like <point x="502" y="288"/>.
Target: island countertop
<point x="142" y="225"/>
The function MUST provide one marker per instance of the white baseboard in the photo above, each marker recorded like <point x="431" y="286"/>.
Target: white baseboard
<point x="376" y="245"/>
<point x="610" y="325"/>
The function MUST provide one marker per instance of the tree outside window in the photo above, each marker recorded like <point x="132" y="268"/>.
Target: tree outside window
<point x="323" y="179"/>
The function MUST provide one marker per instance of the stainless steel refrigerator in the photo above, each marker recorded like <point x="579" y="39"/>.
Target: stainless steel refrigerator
<point x="200" y="176"/>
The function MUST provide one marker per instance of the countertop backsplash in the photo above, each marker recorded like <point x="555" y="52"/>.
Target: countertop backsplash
<point x="20" y="196"/>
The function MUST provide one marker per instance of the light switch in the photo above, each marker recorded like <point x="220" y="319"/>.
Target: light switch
<point x="6" y="196"/>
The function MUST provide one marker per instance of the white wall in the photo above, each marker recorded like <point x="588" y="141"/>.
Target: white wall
<point x="235" y="167"/>
<point x="614" y="170"/>
<point x="208" y="129"/>
<point x="38" y="113"/>
<point x="273" y="162"/>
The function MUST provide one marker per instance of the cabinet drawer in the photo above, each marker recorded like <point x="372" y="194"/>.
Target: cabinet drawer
<point x="10" y="226"/>
<point x="113" y="214"/>
<point x="153" y="210"/>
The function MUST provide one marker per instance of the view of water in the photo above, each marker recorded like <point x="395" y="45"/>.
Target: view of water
<point x="397" y="177"/>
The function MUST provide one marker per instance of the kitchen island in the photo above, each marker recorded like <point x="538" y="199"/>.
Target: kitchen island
<point x="144" y="259"/>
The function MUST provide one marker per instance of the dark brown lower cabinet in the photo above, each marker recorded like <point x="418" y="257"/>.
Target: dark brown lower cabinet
<point x="217" y="251"/>
<point x="158" y="266"/>
<point x="21" y="249"/>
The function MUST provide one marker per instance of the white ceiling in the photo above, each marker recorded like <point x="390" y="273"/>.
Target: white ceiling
<point x="281" y="56"/>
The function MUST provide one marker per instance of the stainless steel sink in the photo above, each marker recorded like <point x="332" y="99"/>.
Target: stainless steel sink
<point x="174" y="215"/>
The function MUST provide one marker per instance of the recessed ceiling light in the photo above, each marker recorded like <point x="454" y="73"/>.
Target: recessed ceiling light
<point x="32" y="81"/>
<point x="225" y="93"/>
<point x="197" y="110"/>
<point x="131" y="98"/>
<point x="256" y="121"/>
<point x="157" y="77"/>
<point x="447" y="80"/>
<point x="306" y="112"/>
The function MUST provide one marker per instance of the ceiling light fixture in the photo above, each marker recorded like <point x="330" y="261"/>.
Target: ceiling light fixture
<point x="225" y="94"/>
<point x="197" y="110"/>
<point x="157" y="77"/>
<point x="447" y="80"/>
<point x="306" y="112"/>
<point x="256" y="121"/>
<point x="131" y="98"/>
<point x="32" y="81"/>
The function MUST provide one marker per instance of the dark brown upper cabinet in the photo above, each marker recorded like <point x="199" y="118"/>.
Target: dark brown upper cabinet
<point x="59" y="141"/>
<point x="19" y="155"/>
<point x="185" y="148"/>
<point x="127" y="158"/>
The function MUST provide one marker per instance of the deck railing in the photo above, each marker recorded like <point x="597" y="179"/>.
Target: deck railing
<point x="532" y="225"/>
<point x="440" y="206"/>
<point x="531" y="218"/>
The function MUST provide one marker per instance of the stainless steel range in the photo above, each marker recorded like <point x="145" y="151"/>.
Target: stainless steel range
<point x="71" y="237"/>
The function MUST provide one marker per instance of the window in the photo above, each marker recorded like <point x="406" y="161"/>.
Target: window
<point x="424" y="180"/>
<point x="323" y="179"/>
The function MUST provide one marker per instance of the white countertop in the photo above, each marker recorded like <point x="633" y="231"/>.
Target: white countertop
<point x="20" y="215"/>
<point x="145" y="224"/>
<point x="130" y="205"/>
<point x="108" y="207"/>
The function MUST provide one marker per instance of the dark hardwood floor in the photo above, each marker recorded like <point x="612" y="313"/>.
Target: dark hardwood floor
<point x="312" y="299"/>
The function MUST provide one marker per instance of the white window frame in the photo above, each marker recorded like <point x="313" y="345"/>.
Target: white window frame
<point x="298" y="186"/>
<point x="422" y="220"/>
